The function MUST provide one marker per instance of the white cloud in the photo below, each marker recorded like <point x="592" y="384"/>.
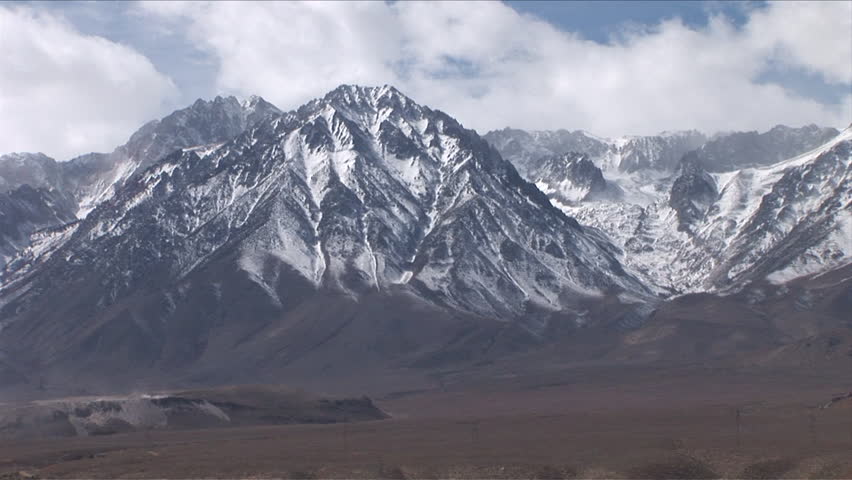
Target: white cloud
<point x="491" y="67"/>
<point x="64" y="93"/>
<point x="814" y="35"/>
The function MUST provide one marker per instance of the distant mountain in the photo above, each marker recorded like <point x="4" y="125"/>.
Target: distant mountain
<point x="527" y="150"/>
<point x="34" y="169"/>
<point x="93" y="177"/>
<point x="672" y="187"/>
<point x="86" y="181"/>
<point x="704" y="231"/>
<point x="33" y="195"/>
<point x="732" y="151"/>
<point x="663" y="152"/>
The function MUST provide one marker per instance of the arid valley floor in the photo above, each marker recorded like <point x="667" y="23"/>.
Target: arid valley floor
<point x="590" y="423"/>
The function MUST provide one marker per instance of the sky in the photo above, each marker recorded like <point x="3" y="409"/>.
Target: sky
<point x="78" y="77"/>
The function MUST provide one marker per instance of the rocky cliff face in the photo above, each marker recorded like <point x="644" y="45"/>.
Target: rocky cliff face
<point x="26" y="210"/>
<point x="693" y="192"/>
<point x="579" y="179"/>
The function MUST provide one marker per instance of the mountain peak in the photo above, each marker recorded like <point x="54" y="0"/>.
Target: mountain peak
<point x="217" y="100"/>
<point x="25" y="168"/>
<point x="362" y="90"/>
<point x="353" y="95"/>
<point x="255" y="101"/>
<point x="21" y="157"/>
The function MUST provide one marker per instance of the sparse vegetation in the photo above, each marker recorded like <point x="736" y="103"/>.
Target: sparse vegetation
<point x="387" y="472"/>
<point x="550" y="472"/>
<point x="302" y="475"/>
<point x="769" y="469"/>
<point x="680" y="467"/>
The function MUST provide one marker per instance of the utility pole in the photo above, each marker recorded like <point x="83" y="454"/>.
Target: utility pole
<point x="474" y="431"/>
<point x="738" y="427"/>
<point x="812" y="427"/>
<point x="345" y="433"/>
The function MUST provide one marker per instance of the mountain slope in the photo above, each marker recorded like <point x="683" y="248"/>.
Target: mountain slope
<point x="33" y="196"/>
<point x="803" y="224"/>
<point x="25" y="210"/>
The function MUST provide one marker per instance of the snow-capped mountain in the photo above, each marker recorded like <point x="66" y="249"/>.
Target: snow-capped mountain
<point x="696" y="228"/>
<point x="365" y="232"/>
<point x="269" y="247"/>
<point x="360" y="190"/>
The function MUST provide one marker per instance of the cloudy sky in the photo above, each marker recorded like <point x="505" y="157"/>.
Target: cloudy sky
<point x="80" y="77"/>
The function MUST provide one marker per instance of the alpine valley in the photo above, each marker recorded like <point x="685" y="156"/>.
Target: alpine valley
<point x="364" y="241"/>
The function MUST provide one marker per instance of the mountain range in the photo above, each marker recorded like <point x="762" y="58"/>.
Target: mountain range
<point x="364" y="233"/>
<point x="85" y="181"/>
<point x="734" y="209"/>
